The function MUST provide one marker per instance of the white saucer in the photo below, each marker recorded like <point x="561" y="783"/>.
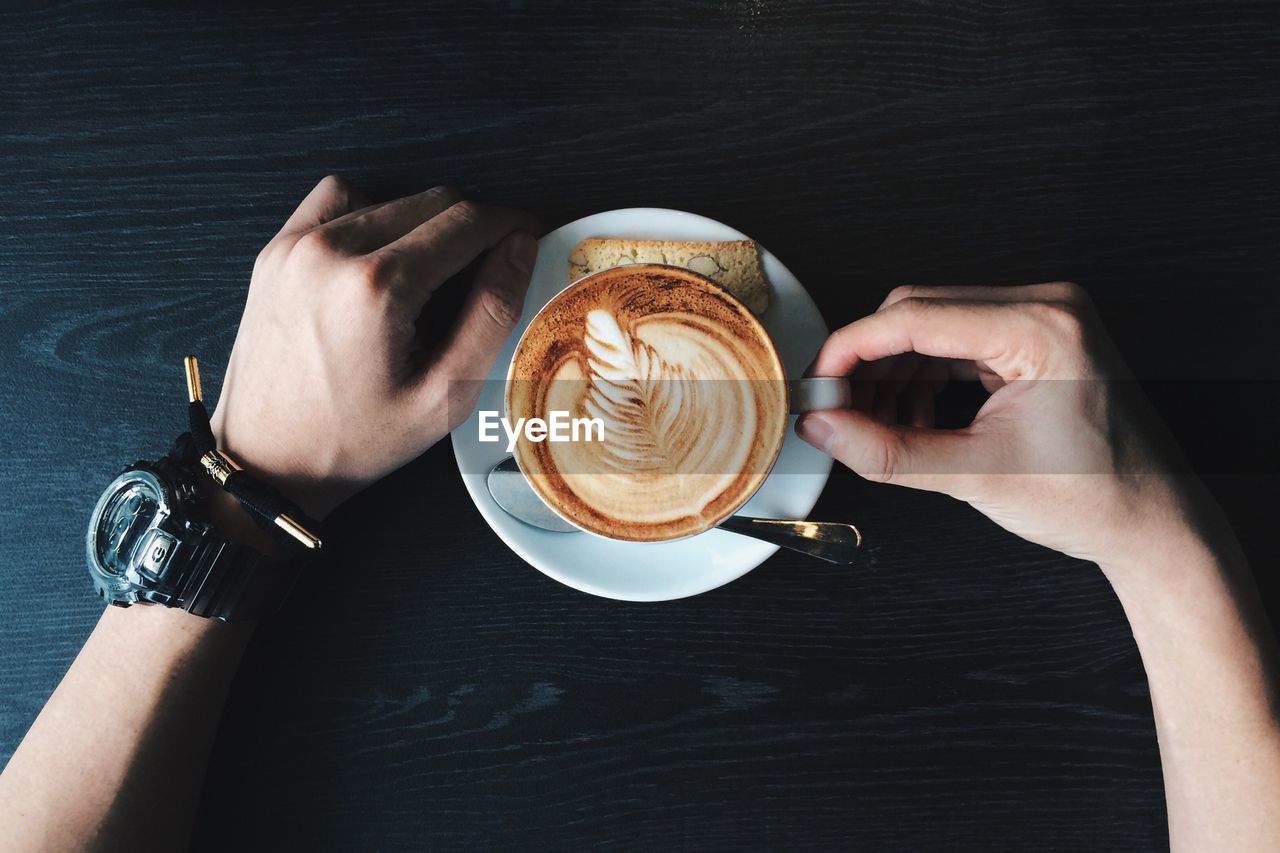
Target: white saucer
<point x="665" y="570"/>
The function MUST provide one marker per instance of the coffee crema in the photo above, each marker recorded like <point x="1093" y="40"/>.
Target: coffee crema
<point x="687" y="384"/>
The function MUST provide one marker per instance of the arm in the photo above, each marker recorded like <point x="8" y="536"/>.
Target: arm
<point x="1212" y="672"/>
<point x="329" y="387"/>
<point x="70" y="787"/>
<point x="1066" y="453"/>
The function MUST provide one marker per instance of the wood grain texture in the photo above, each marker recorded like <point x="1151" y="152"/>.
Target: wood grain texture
<point x="961" y="691"/>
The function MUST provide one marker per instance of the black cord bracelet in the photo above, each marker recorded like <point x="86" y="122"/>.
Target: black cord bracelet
<point x="270" y="509"/>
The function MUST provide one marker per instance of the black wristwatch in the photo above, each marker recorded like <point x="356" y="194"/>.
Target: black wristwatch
<point x="149" y="542"/>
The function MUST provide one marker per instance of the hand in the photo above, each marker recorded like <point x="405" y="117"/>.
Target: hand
<point x="1065" y="451"/>
<point x="329" y="386"/>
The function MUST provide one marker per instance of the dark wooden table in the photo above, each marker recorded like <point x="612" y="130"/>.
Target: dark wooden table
<point x="962" y="690"/>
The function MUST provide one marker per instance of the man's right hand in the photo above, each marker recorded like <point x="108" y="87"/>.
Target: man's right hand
<point x="1065" y="451"/>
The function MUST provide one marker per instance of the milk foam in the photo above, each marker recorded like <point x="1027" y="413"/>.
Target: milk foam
<point x="688" y="387"/>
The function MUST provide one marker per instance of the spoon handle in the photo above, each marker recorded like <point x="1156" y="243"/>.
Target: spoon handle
<point x="826" y="540"/>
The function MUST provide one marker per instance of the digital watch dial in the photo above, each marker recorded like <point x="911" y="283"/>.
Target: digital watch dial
<point x="146" y="544"/>
<point x="128" y="549"/>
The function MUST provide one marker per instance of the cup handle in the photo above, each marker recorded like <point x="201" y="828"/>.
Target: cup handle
<point x="820" y="392"/>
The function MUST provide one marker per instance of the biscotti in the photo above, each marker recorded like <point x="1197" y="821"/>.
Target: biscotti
<point x="733" y="264"/>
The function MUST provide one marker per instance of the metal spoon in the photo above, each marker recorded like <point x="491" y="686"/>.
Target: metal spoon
<point x="826" y="540"/>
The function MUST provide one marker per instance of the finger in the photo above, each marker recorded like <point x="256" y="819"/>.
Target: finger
<point x="946" y="328"/>
<point x="333" y="197"/>
<point x="365" y="231"/>
<point x="439" y="248"/>
<point x="864" y="380"/>
<point x="491" y="310"/>
<point x="918" y="408"/>
<point x="917" y="458"/>
<point x="891" y="386"/>
<point x="963" y="371"/>
<point x="1054" y="291"/>
<point x="972" y="371"/>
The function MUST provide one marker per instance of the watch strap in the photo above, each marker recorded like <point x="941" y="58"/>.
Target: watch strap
<point x="233" y="582"/>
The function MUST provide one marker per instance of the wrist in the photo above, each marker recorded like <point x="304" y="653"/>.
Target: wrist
<point x="234" y="522"/>
<point x="1185" y="576"/>
<point x="1163" y="568"/>
<point x="314" y="493"/>
<point x="171" y="632"/>
<point x="1196" y="615"/>
<point x="1174" y="525"/>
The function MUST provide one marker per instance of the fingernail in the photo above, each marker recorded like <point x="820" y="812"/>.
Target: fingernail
<point x="522" y="251"/>
<point x="814" y="429"/>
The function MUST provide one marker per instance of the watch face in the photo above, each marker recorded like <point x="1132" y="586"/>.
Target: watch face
<point x="131" y="506"/>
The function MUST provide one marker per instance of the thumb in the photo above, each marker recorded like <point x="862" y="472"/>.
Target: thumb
<point x="918" y="458"/>
<point x="491" y="310"/>
<point x="459" y="366"/>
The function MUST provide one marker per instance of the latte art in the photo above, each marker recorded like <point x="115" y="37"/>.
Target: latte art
<point x="686" y="383"/>
<point x="646" y="400"/>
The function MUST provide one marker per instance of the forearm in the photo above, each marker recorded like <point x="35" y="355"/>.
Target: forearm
<point x="116" y="758"/>
<point x="1210" y="663"/>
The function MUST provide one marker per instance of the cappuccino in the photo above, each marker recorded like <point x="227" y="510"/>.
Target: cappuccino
<point x="686" y="384"/>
